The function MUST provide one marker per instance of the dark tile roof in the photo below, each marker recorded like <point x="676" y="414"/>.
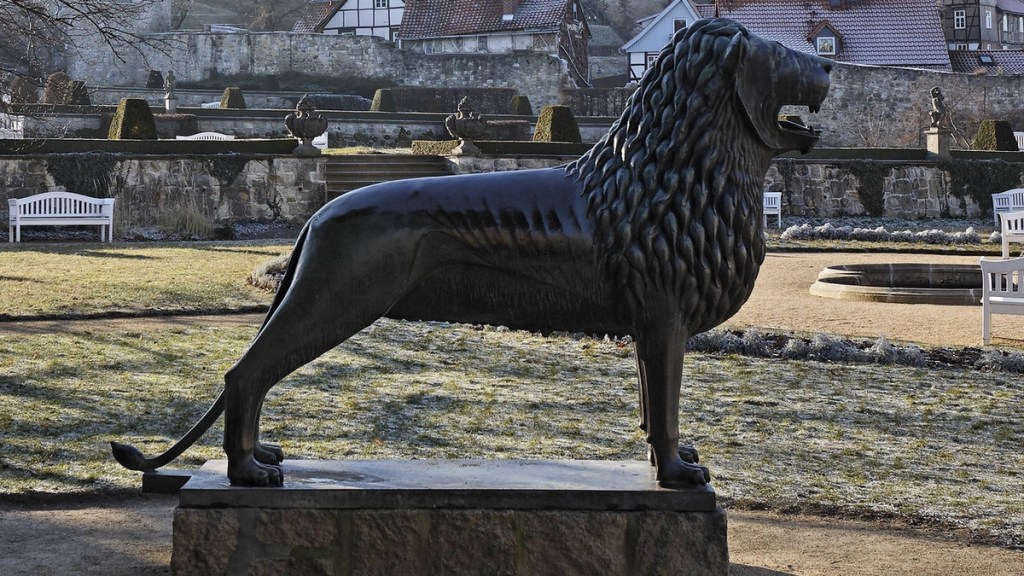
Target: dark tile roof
<point x="315" y="13"/>
<point x="999" y="62"/>
<point x="1011" y="6"/>
<point x="880" y="32"/>
<point x="438" y="18"/>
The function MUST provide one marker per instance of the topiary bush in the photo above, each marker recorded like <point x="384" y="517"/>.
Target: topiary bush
<point x="995" y="135"/>
<point x="520" y="105"/>
<point x="76" y="94"/>
<point x="56" y="87"/>
<point x="24" y="90"/>
<point x="155" y="79"/>
<point x="133" y="120"/>
<point x="556" y="124"/>
<point x="232" y="98"/>
<point x="383" y="101"/>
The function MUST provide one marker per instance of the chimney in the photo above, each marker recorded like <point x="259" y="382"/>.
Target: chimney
<point x="508" y="8"/>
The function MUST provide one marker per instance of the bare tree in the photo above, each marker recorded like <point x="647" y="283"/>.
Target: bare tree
<point x="35" y="35"/>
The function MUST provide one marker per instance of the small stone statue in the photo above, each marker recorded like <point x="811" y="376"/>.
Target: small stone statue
<point x="170" y="98"/>
<point x="938" y="108"/>
<point x="306" y="124"/>
<point x="466" y="125"/>
<point x="169" y="84"/>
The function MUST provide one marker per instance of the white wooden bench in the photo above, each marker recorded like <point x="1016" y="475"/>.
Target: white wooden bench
<point x="60" y="208"/>
<point x="1002" y="291"/>
<point x="772" y="205"/>
<point x="1008" y="201"/>
<point x="1012" y="229"/>
<point x="206" y="136"/>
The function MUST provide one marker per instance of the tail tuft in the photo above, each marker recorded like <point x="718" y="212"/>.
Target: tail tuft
<point x="130" y="457"/>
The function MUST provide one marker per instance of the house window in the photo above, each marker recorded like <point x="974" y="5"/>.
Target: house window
<point x="651" y="57"/>
<point x="988" y="19"/>
<point x="826" y="45"/>
<point x="678" y="24"/>
<point x="960" y="19"/>
<point x="481" y="44"/>
<point x="1020" y="24"/>
<point x="960" y="46"/>
<point x="1006" y="23"/>
<point x="380" y="3"/>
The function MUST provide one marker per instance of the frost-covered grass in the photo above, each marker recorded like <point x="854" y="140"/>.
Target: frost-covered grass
<point x="928" y="445"/>
<point x="89" y="279"/>
<point x="885" y="234"/>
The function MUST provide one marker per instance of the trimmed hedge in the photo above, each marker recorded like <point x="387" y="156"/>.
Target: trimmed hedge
<point x="994" y="135"/>
<point x="232" y="98"/>
<point x="502" y="148"/>
<point x="133" y="120"/>
<point x="383" y="101"/>
<point x="556" y="124"/>
<point x="520" y="106"/>
<point x="273" y="146"/>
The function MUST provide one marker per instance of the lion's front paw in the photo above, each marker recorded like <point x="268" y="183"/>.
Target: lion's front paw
<point x="268" y="453"/>
<point x="679" y="474"/>
<point x="252" y="473"/>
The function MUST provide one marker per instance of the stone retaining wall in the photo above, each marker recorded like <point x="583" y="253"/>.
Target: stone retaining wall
<point x="262" y="187"/>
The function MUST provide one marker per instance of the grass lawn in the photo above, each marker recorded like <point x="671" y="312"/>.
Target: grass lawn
<point x="927" y="445"/>
<point x="87" y="279"/>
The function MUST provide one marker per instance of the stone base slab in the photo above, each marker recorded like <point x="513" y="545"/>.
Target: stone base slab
<point x="431" y="517"/>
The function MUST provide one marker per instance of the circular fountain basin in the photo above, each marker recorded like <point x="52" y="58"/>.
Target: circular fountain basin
<point x="957" y="284"/>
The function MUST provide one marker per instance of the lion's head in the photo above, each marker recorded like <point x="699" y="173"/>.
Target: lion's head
<point x="674" y="188"/>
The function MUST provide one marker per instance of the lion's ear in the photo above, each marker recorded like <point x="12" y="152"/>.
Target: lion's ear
<point x="735" y="52"/>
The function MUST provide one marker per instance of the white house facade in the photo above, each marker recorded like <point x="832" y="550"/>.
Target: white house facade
<point x="380" y="18"/>
<point x="657" y="30"/>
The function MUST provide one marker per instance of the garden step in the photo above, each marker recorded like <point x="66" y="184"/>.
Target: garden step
<point x="347" y="173"/>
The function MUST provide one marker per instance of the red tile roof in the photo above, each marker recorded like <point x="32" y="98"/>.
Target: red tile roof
<point x="880" y="32"/>
<point x="314" y="14"/>
<point x="439" y="18"/>
<point x="1001" y="62"/>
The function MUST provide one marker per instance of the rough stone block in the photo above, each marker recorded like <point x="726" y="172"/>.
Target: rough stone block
<point x="452" y="518"/>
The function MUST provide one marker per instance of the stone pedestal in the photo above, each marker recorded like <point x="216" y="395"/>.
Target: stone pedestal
<point x="938" y="142"/>
<point x="171" y="105"/>
<point x="449" y="517"/>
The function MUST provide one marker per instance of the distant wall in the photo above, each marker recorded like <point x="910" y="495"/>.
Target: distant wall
<point x="197" y="55"/>
<point x="867" y="106"/>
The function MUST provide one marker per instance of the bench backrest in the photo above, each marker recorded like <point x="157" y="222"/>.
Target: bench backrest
<point x="60" y="203"/>
<point x="1003" y="278"/>
<point x="206" y="136"/>
<point x="772" y="202"/>
<point x="1009" y="199"/>
<point x="1012" y="223"/>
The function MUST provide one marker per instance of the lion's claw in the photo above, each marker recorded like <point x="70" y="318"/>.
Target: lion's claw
<point x="253" y="473"/>
<point x="683" y="475"/>
<point x="268" y="453"/>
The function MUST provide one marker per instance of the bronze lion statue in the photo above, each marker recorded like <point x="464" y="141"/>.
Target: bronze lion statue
<point x="655" y="233"/>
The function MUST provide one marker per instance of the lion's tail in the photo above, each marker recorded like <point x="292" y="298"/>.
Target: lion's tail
<point x="133" y="459"/>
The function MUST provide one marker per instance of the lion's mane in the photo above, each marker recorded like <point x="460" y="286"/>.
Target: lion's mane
<point x="674" y="188"/>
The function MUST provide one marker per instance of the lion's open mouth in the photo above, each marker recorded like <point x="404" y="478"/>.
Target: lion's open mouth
<point x="796" y="124"/>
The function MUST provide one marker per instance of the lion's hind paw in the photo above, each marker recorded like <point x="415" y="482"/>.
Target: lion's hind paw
<point x="268" y="453"/>
<point x="253" y="473"/>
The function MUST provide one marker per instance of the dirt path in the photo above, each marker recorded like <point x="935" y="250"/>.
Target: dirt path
<point x="132" y="535"/>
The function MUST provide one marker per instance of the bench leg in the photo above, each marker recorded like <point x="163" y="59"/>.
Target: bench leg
<point x="986" y="325"/>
